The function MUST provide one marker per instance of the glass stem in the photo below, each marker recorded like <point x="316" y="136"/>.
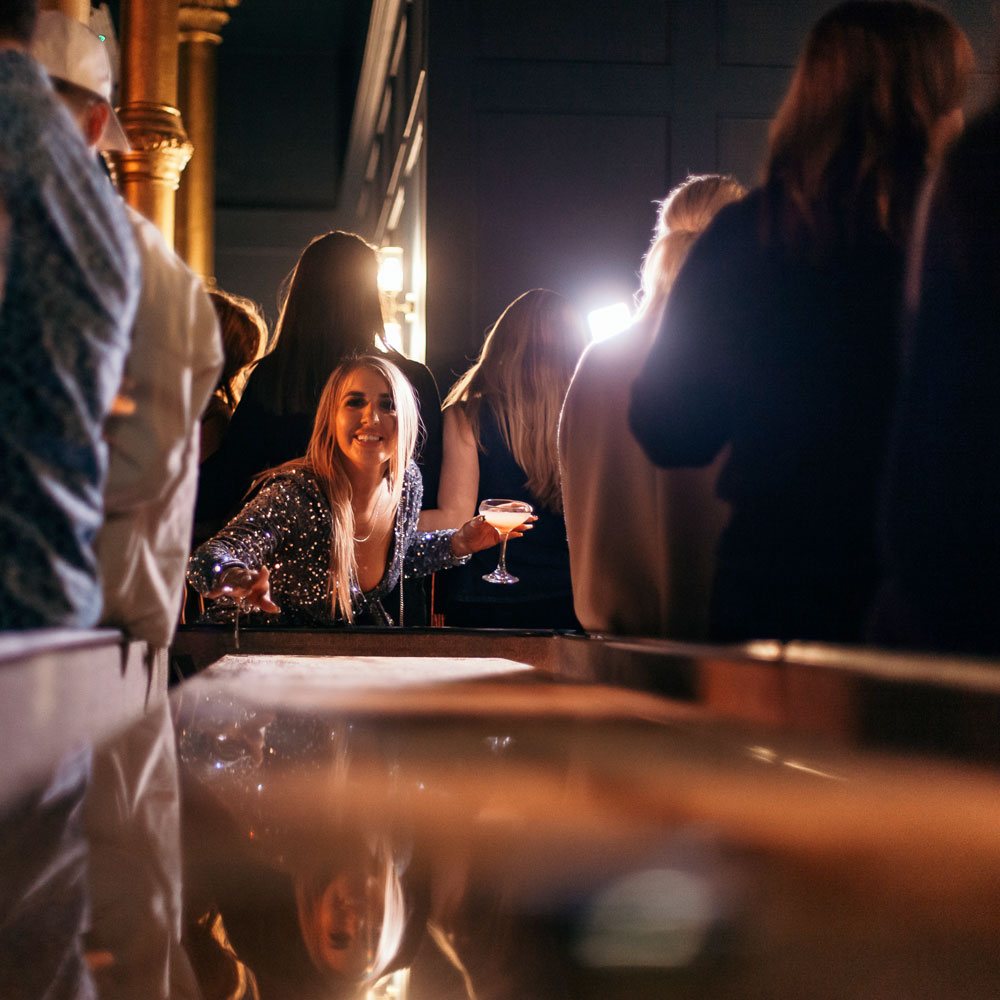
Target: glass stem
<point x="503" y="553"/>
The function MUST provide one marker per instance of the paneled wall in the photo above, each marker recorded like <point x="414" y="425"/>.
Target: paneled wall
<point x="287" y="74"/>
<point x="554" y="126"/>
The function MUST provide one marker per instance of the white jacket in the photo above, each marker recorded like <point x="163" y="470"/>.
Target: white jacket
<point x="171" y="371"/>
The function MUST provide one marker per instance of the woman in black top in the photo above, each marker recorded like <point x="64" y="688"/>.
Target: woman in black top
<point x="501" y="421"/>
<point x="781" y="338"/>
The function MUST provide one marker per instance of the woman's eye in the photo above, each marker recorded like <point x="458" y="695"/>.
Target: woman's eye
<point x="387" y="406"/>
<point x="355" y="402"/>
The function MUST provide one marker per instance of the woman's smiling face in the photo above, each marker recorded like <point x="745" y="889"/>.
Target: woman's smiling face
<point x="366" y="419"/>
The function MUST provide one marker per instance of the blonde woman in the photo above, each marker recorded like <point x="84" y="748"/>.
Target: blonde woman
<point x="640" y="538"/>
<point x="500" y="424"/>
<point x="328" y="536"/>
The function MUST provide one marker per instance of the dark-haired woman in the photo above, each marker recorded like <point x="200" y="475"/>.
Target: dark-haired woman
<point x="781" y="337"/>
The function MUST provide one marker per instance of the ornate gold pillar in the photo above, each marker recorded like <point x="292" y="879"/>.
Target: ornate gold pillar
<point x="201" y="22"/>
<point x="78" y="9"/>
<point x="148" y="176"/>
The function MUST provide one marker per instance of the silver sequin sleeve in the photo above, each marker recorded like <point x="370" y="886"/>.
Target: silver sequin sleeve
<point x="252" y="538"/>
<point x="287" y="527"/>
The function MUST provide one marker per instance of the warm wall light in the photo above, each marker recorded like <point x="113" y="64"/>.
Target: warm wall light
<point x="608" y="320"/>
<point x="390" y="270"/>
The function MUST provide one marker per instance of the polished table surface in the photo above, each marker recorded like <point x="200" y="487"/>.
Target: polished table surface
<point x="548" y="838"/>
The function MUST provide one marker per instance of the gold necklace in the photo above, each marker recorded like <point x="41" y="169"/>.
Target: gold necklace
<point x="374" y="523"/>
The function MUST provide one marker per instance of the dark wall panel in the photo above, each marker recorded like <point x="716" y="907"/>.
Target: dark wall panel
<point x="764" y="32"/>
<point x="742" y="143"/>
<point x="598" y="32"/>
<point x="565" y="203"/>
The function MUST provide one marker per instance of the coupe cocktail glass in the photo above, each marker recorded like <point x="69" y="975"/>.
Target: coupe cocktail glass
<point x="505" y="516"/>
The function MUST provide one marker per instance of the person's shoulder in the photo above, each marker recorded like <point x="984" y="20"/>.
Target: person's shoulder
<point x="412" y="474"/>
<point x="157" y="256"/>
<point x="975" y="152"/>
<point x="605" y="372"/>
<point x="294" y="481"/>
<point x="739" y="220"/>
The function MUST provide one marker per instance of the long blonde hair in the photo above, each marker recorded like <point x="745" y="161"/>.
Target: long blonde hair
<point x="522" y="372"/>
<point x="684" y="215"/>
<point x="326" y="462"/>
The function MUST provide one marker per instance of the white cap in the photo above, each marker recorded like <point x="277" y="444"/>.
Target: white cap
<point x="70" y="51"/>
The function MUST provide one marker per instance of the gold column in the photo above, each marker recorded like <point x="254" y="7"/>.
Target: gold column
<point x="148" y="175"/>
<point x="201" y="22"/>
<point x="77" y="9"/>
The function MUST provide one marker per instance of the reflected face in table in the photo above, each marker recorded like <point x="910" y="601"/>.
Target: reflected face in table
<point x="340" y="919"/>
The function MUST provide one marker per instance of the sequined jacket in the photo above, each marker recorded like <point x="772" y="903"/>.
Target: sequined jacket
<point x="287" y="527"/>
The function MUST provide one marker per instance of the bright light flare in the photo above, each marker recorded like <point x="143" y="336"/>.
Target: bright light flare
<point x="390" y="269"/>
<point x="609" y="320"/>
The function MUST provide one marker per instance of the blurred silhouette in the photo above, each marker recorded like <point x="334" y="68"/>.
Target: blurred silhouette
<point x="781" y="336"/>
<point x="70" y="281"/>
<point x="641" y="539"/>
<point x="942" y="540"/>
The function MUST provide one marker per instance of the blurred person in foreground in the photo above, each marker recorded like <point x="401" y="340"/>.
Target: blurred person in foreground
<point x="782" y="333"/>
<point x="174" y="356"/>
<point x="69" y="275"/>
<point x="173" y="362"/>
<point x="940" y="530"/>
<point x="70" y="282"/>
<point x="641" y="539"/>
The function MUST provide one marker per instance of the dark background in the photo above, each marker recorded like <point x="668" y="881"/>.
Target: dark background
<point x="553" y="127"/>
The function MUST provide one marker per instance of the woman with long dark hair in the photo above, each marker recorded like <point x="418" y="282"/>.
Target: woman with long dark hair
<point x="780" y="340"/>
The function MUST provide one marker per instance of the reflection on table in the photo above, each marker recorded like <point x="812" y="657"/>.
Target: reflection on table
<point x="435" y="828"/>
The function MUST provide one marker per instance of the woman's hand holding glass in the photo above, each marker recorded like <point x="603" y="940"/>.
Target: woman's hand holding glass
<point x="479" y="534"/>
<point x="249" y="590"/>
